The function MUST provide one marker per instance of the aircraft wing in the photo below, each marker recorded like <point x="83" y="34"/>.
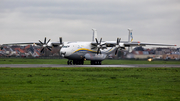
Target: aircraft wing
<point x="55" y="44"/>
<point x="129" y="44"/>
<point x="23" y="43"/>
<point x="45" y="43"/>
<point x="145" y="44"/>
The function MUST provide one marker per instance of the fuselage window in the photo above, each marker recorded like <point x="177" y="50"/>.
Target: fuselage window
<point x="66" y="46"/>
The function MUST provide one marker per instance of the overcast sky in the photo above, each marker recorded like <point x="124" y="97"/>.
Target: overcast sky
<point x="152" y="21"/>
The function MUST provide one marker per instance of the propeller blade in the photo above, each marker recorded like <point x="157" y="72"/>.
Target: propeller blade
<point x="116" y="51"/>
<point x="96" y="41"/>
<point x="41" y="42"/>
<point x="100" y="41"/>
<point x="117" y="41"/>
<point x="45" y="40"/>
<point x="60" y="40"/>
<point x="93" y="48"/>
<point x="49" y="48"/>
<point x="98" y="51"/>
<point x="42" y="50"/>
<point x="118" y="46"/>
<point x="48" y="41"/>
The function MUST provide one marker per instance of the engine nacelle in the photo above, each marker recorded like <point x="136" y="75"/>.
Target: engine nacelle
<point x="121" y="44"/>
<point x="94" y="56"/>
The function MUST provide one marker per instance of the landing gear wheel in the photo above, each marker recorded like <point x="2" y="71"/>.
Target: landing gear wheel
<point x="78" y="62"/>
<point x="95" y="62"/>
<point x="98" y="62"/>
<point x="69" y="62"/>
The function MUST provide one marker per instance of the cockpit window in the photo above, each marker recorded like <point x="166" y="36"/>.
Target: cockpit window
<point x="66" y="46"/>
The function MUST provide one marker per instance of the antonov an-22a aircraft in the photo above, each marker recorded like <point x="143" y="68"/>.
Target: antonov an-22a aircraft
<point x="95" y="51"/>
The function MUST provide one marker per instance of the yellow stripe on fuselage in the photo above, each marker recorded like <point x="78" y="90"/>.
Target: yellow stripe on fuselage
<point x="110" y="49"/>
<point x="84" y="49"/>
<point x="90" y="50"/>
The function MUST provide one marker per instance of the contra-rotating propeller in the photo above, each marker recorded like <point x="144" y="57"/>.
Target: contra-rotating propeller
<point x="117" y="45"/>
<point x="99" y="46"/>
<point x="45" y="45"/>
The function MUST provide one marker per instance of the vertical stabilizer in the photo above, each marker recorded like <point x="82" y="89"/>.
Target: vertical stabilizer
<point x="94" y="34"/>
<point x="130" y="38"/>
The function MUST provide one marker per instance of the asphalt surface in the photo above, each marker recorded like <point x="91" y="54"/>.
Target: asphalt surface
<point x="59" y="65"/>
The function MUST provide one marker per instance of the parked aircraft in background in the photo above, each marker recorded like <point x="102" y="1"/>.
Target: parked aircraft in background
<point x="95" y="51"/>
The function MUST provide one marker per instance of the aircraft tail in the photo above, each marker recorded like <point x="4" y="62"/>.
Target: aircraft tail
<point x="94" y="34"/>
<point x="130" y="39"/>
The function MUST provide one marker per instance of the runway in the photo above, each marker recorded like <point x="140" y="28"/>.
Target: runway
<point x="59" y="65"/>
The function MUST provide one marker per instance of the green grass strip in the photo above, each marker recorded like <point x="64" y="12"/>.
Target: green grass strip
<point x="90" y="84"/>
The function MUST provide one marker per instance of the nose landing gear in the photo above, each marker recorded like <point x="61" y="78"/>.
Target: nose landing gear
<point x="75" y="62"/>
<point x="69" y="62"/>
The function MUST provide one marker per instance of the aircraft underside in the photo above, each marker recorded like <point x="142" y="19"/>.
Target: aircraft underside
<point x="78" y="58"/>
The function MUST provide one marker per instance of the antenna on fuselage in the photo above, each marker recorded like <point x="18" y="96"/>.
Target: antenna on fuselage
<point x="94" y="35"/>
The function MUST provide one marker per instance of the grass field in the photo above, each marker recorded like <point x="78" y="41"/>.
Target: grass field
<point x="89" y="84"/>
<point x="64" y="61"/>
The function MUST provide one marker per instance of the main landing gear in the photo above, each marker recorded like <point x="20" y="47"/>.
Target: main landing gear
<point x="75" y="62"/>
<point x="81" y="62"/>
<point x="95" y="62"/>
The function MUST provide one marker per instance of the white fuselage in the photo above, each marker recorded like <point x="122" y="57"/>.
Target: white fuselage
<point x="82" y="50"/>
